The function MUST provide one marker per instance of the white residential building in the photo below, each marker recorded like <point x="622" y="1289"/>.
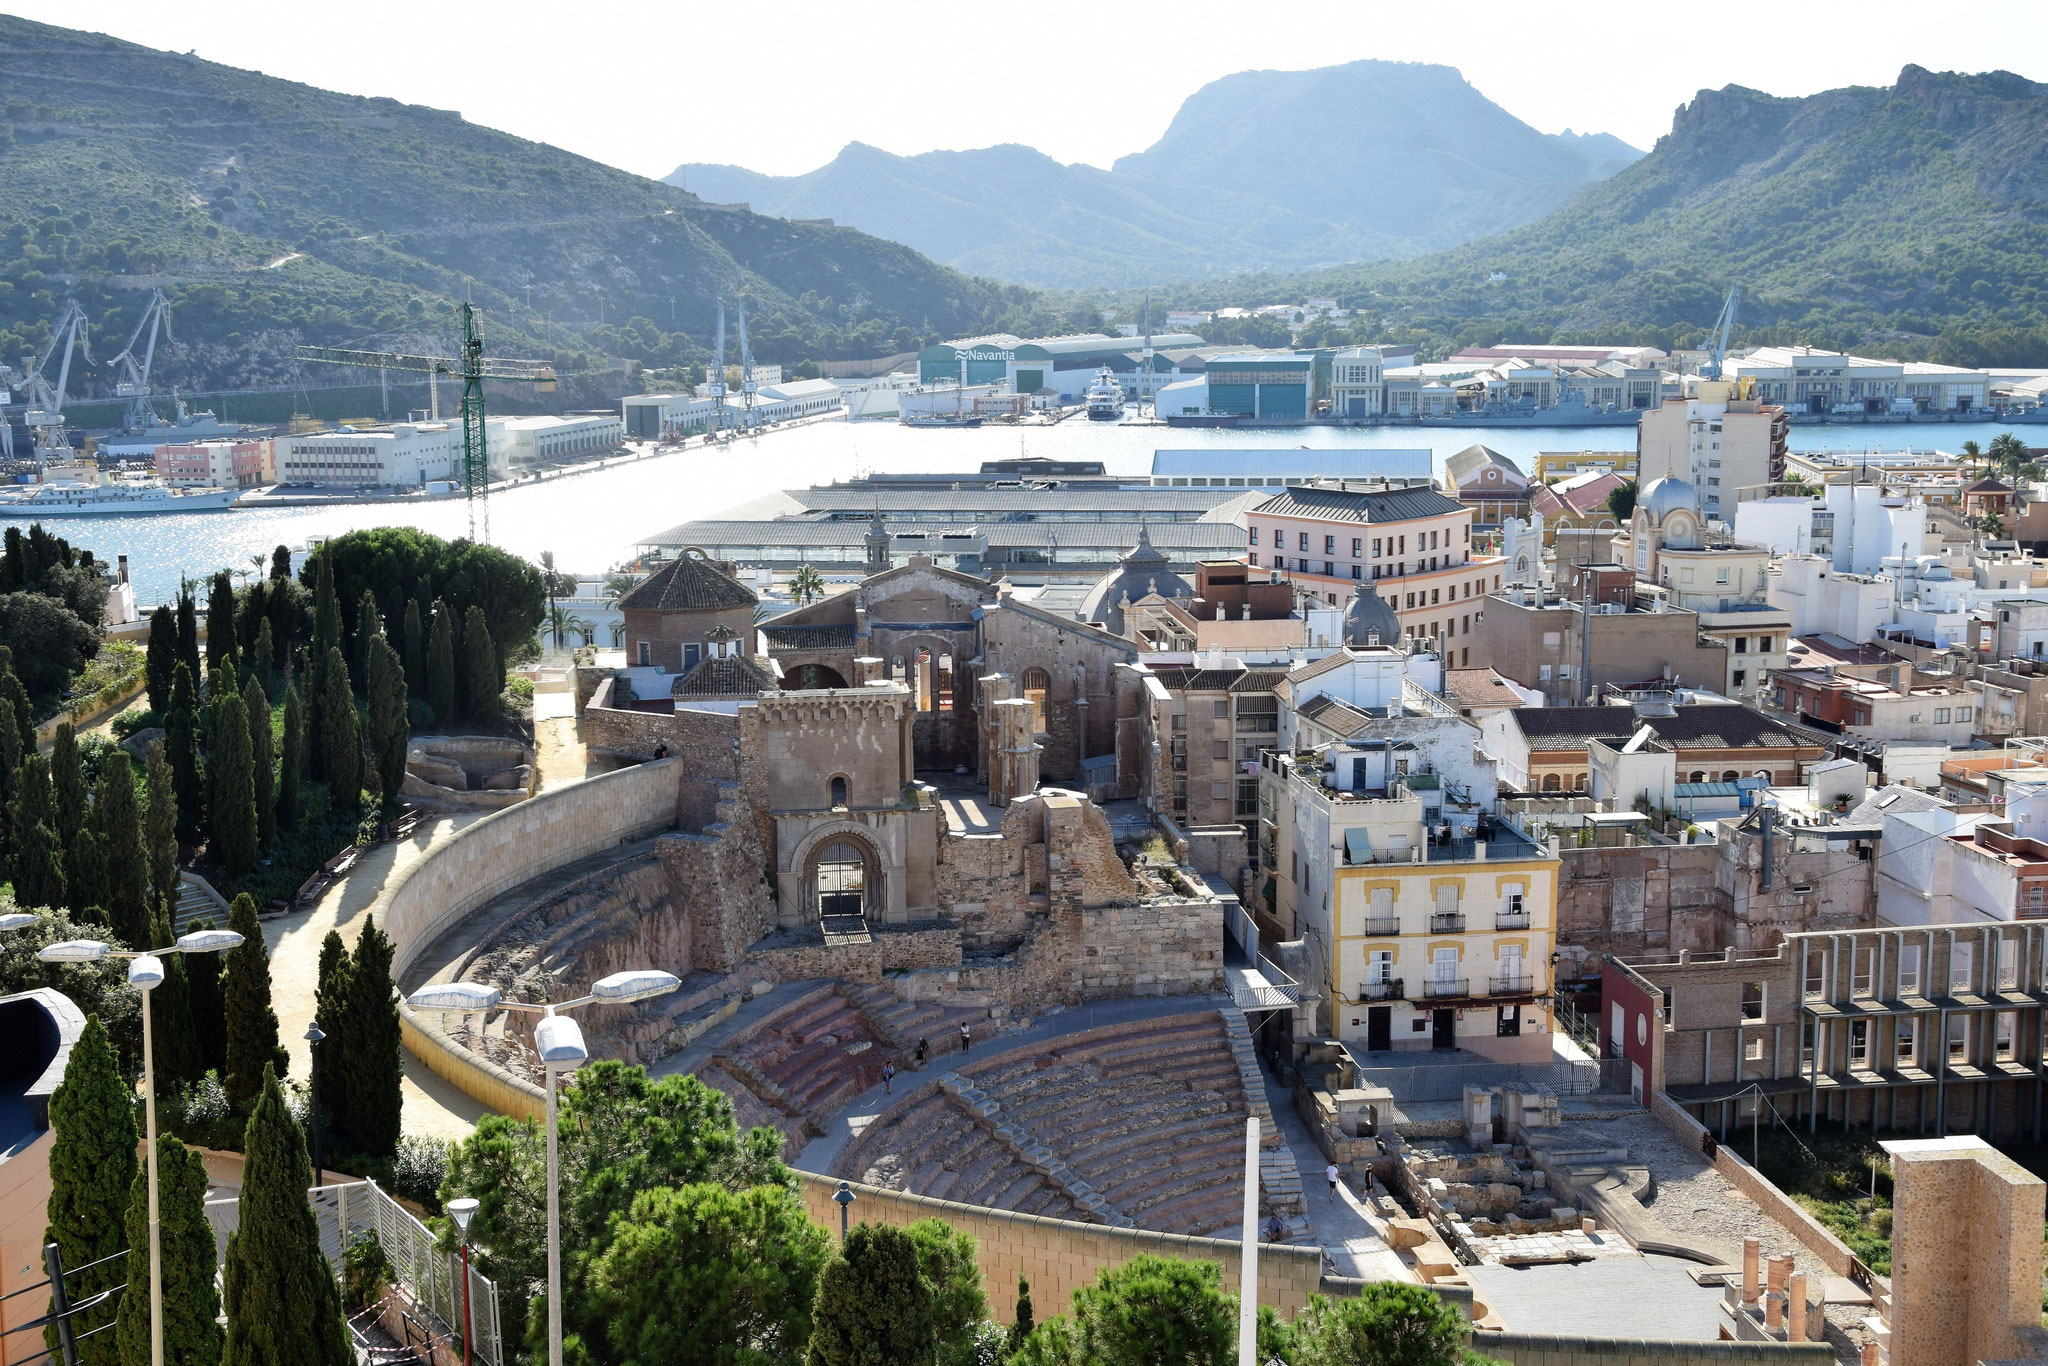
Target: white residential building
<point x="1715" y="442"/>
<point x="405" y="455"/>
<point x="1858" y="526"/>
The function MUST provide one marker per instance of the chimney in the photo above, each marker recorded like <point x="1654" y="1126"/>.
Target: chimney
<point x="121" y="568"/>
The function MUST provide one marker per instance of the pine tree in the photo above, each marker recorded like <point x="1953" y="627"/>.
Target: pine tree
<point x="342" y="740"/>
<point x="67" y="785"/>
<point x="369" y="627"/>
<point x="873" y="1303"/>
<point x="282" y="1303"/>
<point x="181" y="737"/>
<point x="370" y="1046"/>
<point x="263" y="767"/>
<point x="415" y="651"/>
<point x="188" y="631"/>
<point x="251" y="1022"/>
<point x="35" y="860"/>
<point x="170" y="1005"/>
<point x="92" y="1169"/>
<point x="330" y="1010"/>
<point x="389" y="733"/>
<point x="441" y="665"/>
<point x="232" y="769"/>
<point x="480" y="681"/>
<point x="191" y="1331"/>
<point x="118" y="819"/>
<point x="290" y="761"/>
<point x="220" y="625"/>
<point x="162" y="656"/>
<point x="86" y="878"/>
<point x="209" y="1005"/>
<point x="160" y="824"/>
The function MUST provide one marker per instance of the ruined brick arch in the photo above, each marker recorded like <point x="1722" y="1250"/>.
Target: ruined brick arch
<point x="816" y="677"/>
<point x="1033" y="684"/>
<point x="834" y="839"/>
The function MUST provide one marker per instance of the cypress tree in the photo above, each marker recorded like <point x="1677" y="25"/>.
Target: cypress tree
<point x="181" y="736"/>
<point x="281" y="562"/>
<point x="250" y="614"/>
<point x="415" y="651"/>
<point x="370" y="1046"/>
<point x="389" y="733"/>
<point x="191" y="1332"/>
<point x="252" y="1045"/>
<point x="220" y="626"/>
<point x="160" y="824"/>
<point x="1020" y="1329"/>
<point x="15" y="699"/>
<point x="118" y="819"/>
<point x="290" y="761"/>
<point x="369" y="626"/>
<point x="35" y="859"/>
<point x="873" y="1303"/>
<point x="342" y="740"/>
<point x="284" y="622"/>
<point x="67" y="785"/>
<point x="441" y="665"/>
<point x="327" y="626"/>
<point x="177" y="1040"/>
<point x="281" y="1298"/>
<point x="188" y="631"/>
<point x="10" y="763"/>
<point x="260" y="654"/>
<point x="86" y="879"/>
<point x="480" y="681"/>
<point x="162" y="656"/>
<point x="209" y="1005"/>
<point x="262" y="760"/>
<point x="232" y="769"/>
<point x="92" y="1168"/>
<point x="330" y="1010"/>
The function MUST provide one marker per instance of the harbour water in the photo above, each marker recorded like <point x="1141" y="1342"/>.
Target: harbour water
<point x="592" y="520"/>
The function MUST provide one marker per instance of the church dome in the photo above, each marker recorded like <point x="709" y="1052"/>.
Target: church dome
<point x="1143" y="569"/>
<point x="1667" y="495"/>
<point x="1368" y="621"/>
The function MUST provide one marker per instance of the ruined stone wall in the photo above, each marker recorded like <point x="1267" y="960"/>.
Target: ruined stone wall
<point x="1650" y="899"/>
<point x="1825" y="889"/>
<point x="716" y="873"/>
<point x="806" y="739"/>
<point x="1080" y="665"/>
<point x="992" y="886"/>
<point x="1154" y="948"/>
<point x="920" y="946"/>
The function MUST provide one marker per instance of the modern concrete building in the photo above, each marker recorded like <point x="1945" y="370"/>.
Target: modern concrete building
<point x="1567" y="652"/>
<point x="1716" y="442"/>
<point x="1064" y="365"/>
<point x="1803" y="379"/>
<point x="218" y="464"/>
<point x="531" y="440"/>
<point x="1544" y="749"/>
<point x="1358" y="382"/>
<point x="405" y="455"/>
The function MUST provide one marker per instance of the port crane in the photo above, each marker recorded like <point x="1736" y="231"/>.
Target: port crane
<point x="134" y="382"/>
<point x="1717" y="337"/>
<point x="1145" y="361"/>
<point x="747" y="386"/>
<point x="715" y="388"/>
<point x="473" y="369"/>
<point x="45" y="414"/>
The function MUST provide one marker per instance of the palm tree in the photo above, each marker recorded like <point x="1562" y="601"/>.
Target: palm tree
<point x="806" y="585"/>
<point x="616" y="587"/>
<point x="558" y="584"/>
<point x="2008" y="452"/>
<point x="559" y="621"/>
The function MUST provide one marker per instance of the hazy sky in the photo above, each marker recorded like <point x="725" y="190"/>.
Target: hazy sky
<point x="781" y="87"/>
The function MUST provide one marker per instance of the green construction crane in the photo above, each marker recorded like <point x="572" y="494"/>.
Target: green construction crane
<point x="473" y="370"/>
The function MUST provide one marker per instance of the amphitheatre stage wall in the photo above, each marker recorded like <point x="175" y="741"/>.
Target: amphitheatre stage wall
<point x="496" y="854"/>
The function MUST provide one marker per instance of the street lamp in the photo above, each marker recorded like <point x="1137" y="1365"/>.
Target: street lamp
<point x="462" y="1211"/>
<point x="843" y="1197"/>
<point x="313" y="1035"/>
<point x="145" y="974"/>
<point x="559" y="1041"/>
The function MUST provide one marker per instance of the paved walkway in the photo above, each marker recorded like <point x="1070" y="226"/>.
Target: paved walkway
<point x="432" y="1108"/>
<point x="1353" y="1237"/>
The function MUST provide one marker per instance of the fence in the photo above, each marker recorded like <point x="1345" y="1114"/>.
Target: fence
<point x="1447" y="1081"/>
<point x="432" y="1277"/>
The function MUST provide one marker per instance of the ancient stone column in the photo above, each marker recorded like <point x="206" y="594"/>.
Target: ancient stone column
<point x="1752" y="1268"/>
<point x="1795" y="1291"/>
<point x="1778" y="1271"/>
<point x="1013" y="752"/>
<point x="1870" y="1353"/>
<point x="1774" y="1311"/>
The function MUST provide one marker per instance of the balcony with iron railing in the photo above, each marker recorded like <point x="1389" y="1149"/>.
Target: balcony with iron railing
<point x="1518" y="984"/>
<point x="1382" y="926"/>
<point x="1447" y="922"/>
<point x="1438" y="988"/>
<point x="1393" y="989"/>
<point x="1511" y="920"/>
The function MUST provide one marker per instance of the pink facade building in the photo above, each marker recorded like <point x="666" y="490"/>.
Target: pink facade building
<point x="217" y="464"/>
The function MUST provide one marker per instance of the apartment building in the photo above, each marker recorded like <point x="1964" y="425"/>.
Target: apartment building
<point x="1218" y="721"/>
<point x="1428" y="923"/>
<point x="1934" y="1030"/>
<point x="1545" y="749"/>
<point x="217" y="464"/>
<point x="1717" y="443"/>
<point x="1557" y="646"/>
<point x="1941" y="713"/>
<point x="1563" y="464"/>
<point x="1411" y="546"/>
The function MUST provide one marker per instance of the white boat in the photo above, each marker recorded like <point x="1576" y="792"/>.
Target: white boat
<point x="1105" y="397"/>
<point x="110" y="500"/>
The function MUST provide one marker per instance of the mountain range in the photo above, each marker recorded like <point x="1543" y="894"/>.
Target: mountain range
<point x="1262" y="170"/>
<point x="1909" y="219"/>
<point x="273" y="212"/>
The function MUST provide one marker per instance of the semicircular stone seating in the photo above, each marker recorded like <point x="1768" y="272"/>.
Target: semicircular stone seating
<point x="1149" y="1115"/>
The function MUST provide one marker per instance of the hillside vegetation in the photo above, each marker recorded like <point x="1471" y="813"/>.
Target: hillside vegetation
<point x="1909" y="220"/>
<point x="274" y="212"/>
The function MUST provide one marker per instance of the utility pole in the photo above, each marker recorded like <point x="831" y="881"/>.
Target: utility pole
<point x="1585" y="635"/>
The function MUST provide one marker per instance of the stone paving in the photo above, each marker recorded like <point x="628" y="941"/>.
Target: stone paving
<point x="1622" y="1297"/>
<point x="1353" y="1238"/>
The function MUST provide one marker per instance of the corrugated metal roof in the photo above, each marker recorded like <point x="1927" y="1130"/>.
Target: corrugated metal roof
<point x="1118" y="536"/>
<point x="1293" y="460"/>
<point x="1358" y="505"/>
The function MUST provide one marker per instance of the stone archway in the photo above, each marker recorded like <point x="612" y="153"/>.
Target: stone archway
<point x="843" y="876"/>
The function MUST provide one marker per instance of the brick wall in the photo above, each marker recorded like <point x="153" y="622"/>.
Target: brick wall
<point x="1635" y="901"/>
<point x="1966" y="1256"/>
<point x="1059" y="1256"/>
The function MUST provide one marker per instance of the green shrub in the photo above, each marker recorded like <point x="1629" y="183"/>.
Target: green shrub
<point x="135" y="719"/>
<point x="365" y="1271"/>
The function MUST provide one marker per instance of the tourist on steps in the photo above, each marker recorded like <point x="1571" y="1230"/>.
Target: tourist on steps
<point x="966" y="1038"/>
<point x="922" y="1048"/>
<point x="1331" y="1172"/>
<point x="888" y="1077"/>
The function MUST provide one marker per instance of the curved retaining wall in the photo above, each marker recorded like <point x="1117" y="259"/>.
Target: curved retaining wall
<point x="493" y="856"/>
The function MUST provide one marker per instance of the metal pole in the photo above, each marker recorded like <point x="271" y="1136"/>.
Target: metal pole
<point x="156" y="1260"/>
<point x="1248" y="1278"/>
<point x="554" y="1238"/>
<point x="60" y="1303"/>
<point x="313" y="1125"/>
<point x="468" y="1331"/>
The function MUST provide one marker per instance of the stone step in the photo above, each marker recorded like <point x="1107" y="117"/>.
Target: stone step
<point x="775" y="1096"/>
<point x="1025" y="1146"/>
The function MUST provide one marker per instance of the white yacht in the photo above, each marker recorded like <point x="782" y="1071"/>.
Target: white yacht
<point x="110" y="500"/>
<point x="1105" y="397"/>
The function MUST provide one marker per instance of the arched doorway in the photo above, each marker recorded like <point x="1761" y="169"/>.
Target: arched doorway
<point x="1034" y="684"/>
<point x="812" y="676"/>
<point x="840" y="880"/>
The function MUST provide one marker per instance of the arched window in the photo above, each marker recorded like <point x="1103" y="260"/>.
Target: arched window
<point x="1578" y="782"/>
<point x="1550" y="783"/>
<point x="1697" y="777"/>
<point x="1730" y="776"/>
<point x="838" y="792"/>
<point x="1035" y="682"/>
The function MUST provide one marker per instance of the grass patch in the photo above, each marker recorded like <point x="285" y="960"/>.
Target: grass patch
<point x="1828" y="1175"/>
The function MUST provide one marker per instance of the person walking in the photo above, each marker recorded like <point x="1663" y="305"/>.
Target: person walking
<point x="923" y="1047"/>
<point x="966" y="1038"/>
<point x="888" y="1078"/>
<point x="1331" y="1173"/>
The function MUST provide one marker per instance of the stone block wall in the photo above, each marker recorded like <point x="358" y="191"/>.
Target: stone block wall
<point x="715" y="880"/>
<point x="1966" y="1253"/>
<point x="1152" y="948"/>
<point x="917" y="947"/>
<point x="1542" y="1349"/>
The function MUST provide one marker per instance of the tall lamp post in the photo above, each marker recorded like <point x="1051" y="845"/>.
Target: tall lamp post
<point x="462" y="1211"/>
<point x="559" y="1041"/>
<point x="145" y="974"/>
<point x="843" y="1197"/>
<point x="313" y="1035"/>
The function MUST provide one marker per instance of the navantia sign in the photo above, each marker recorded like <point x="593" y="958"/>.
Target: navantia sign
<point x="987" y="355"/>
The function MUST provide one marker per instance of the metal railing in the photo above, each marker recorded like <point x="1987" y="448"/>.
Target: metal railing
<point x="1392" y="990"/>
<point x="1451" y="923"/>
<point x="1461" y="986"/>
<point x="1519" y="985"/>
<point x="1511" y="920"/>
<point x="1383" y="925"/>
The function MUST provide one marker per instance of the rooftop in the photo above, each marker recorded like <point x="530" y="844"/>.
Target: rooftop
<point x="1358" y="505"/>
<point x="687" y="584"/>
<point x="1699" y="726"/>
